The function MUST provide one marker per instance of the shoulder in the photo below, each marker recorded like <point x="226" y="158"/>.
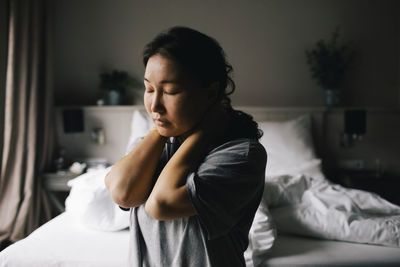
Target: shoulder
<point x="241" y="147"/>
<point x="245" y="153"/>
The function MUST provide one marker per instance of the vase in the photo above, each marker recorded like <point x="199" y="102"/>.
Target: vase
<point x="332" y="97"/>
<point x="113" y="98"/>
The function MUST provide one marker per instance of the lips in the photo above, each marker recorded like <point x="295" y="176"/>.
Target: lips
<point x="160" y="122"/>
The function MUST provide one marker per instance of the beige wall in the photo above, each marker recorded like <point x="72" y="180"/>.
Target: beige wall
<point x="264" y="40"/>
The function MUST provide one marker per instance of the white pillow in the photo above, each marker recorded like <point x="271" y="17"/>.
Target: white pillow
<point x="90" y="201"/>
<point x="141" y="124"/>
<point x="289" y="146"/>
<point x="91" y="204"/>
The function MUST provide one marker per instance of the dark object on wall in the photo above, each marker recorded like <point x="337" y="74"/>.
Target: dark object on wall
<point x="73" y="120"/>
<point x="355" y="123"/>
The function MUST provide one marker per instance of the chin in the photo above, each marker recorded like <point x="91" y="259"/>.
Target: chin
<point x="166" y="132"/>
<point x="169" y="132"/>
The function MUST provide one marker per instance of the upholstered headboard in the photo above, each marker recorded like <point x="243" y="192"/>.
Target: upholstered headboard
<point x="116" y="124"/>
<point x="380" y="141"/>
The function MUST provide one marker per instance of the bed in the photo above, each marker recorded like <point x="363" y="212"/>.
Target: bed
<point x="77" y="246"/>
<point x="303" y="219"/>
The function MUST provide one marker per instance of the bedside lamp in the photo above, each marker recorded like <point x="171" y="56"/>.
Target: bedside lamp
<point x="98" y="136"/>
<point x="355" y="124"/>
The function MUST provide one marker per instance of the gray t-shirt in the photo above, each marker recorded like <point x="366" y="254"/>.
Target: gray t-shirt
<point x="225" y="190"/>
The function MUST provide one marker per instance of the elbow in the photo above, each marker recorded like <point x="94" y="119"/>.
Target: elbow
<point x="120" y="200"/>
<point x="158" y="209"/>
<point x="120" y="195"/>
<point x="123" y="200"/>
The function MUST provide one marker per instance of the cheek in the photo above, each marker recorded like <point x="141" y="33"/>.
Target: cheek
<point x="190" y="112"/>
<point x="147" y="103"/>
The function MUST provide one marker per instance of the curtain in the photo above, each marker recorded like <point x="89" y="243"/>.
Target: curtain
<point x="3" y="61"/>
<point x="28" y="123"/>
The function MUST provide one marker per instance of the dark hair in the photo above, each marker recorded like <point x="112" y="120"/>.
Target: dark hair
<point x="203" y="57"/>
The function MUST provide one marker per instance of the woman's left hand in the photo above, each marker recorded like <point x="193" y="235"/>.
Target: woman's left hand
<point x="213" y="126"/>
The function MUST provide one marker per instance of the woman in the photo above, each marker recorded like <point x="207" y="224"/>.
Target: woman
<point x="194" y="182"/>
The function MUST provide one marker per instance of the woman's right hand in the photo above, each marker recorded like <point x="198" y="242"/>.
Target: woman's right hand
<point x="130" y="179"/>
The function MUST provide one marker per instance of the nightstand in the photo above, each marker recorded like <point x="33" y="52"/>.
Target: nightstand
<point x="57" y="187"/>
<point x="385" y="185"/>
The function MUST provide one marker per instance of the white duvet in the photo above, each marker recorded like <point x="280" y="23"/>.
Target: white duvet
<point x="298" y="199"/>
<point x="303" y="205"/>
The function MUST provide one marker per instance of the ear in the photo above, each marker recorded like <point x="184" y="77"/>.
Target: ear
<point x="212" y="92"/>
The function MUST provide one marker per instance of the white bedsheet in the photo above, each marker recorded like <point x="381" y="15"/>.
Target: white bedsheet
<point x="290" y="250"/>
<point x="64" y="242"/>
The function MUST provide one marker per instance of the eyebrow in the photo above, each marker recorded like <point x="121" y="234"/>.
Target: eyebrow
<point x="165" y="81"/>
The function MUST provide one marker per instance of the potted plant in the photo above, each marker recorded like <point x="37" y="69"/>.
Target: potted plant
<point x="115" y="83"/>
<point x="328" y="62"/>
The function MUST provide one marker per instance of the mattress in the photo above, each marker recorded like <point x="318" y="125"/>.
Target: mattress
<point x="299" y="251"/>
<point x="64" y="242"/>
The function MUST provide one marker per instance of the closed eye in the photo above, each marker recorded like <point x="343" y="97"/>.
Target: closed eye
<point x="149" y="89"/>
<point x="171" y="93"/>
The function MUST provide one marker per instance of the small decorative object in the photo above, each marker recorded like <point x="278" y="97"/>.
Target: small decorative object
<point x="328" y="62"/>
<point x="115" y="83"/>
<point x="77" y="168"/>
<point x="100" y="102"/>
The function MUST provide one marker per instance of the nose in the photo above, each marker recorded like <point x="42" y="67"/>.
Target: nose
<point x="156" y="103"/>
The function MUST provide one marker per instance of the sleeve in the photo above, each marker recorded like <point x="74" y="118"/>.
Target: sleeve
<point x="226" y="184"/>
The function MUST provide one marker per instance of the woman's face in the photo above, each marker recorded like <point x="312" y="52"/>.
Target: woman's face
<point x="173" y="98"/>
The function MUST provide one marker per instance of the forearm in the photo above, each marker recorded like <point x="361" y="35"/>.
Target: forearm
<point x="168" y="198"/>
<point x="129" y="180"/>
